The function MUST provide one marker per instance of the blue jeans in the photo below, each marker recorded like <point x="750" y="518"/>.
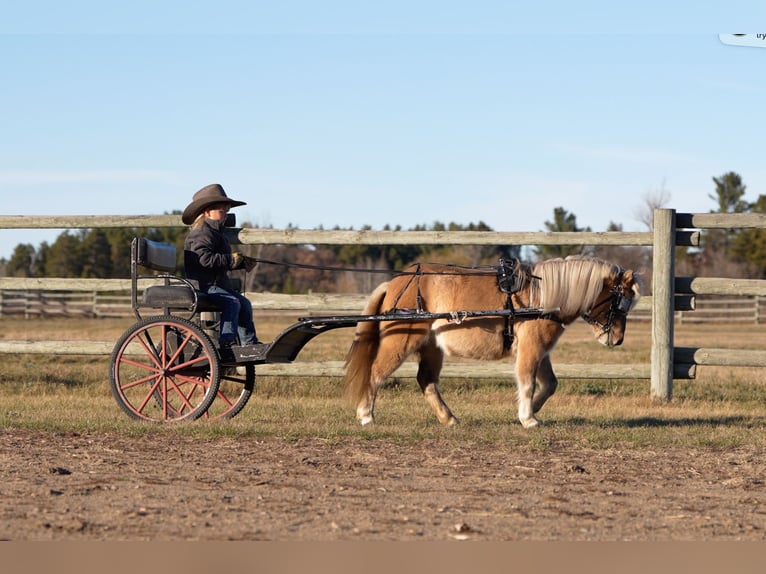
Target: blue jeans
<point x="236" y="315"/>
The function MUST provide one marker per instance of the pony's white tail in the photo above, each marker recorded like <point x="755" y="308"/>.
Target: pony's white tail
<point x="364" y="349"/>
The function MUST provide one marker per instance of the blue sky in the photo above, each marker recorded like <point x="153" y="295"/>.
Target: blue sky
<point x="370" y="113"/>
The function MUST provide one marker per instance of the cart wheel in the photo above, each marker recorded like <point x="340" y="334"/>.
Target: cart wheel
<point x="234" y="392"/>
<point x="164" y="369"/>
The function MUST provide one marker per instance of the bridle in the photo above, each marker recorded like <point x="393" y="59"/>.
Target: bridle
<point x="619" y="305"/>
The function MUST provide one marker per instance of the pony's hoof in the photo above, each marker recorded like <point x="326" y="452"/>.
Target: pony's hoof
<point x="366" y="420"/>
<point x="452" y="422"/>
<point x="530" y="423"/>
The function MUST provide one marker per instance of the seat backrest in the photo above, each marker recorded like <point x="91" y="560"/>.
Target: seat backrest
<point x="154" y="255"/>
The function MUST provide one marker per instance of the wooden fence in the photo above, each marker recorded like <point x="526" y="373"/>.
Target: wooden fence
<point x="670" y="293"/>
<point x="673" y="298"/>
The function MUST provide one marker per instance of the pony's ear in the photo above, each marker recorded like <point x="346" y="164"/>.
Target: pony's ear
<point x="632" y="282"/>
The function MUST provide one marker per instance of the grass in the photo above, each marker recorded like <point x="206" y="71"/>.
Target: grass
<point x="723" y="408"/>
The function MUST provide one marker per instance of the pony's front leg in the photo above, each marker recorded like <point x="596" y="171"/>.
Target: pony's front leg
<point x="438" y="406"/>
<point x="535" y="340"/>
<point x="547" y="384"/>
<point x="526" y="373"/>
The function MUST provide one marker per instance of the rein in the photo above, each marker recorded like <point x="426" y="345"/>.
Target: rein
<point x="478" y="270"/>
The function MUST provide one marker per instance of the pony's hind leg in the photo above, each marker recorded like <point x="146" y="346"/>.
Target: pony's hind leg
<point x="429" y="368"/>
<point x="395" y="347"/>
<point x="366" y="405"/>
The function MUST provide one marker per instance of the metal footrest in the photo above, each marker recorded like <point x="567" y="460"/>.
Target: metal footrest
<point x="245" y="353"/>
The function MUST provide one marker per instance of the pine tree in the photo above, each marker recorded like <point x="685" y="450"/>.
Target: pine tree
<point x="750" y="244"/>
<point x="22" y="262"/>
<point x="97" y="255"/>
<point x="729" y="193"/>
<point x="64" y="257"/>
<point x="563" y="221"/>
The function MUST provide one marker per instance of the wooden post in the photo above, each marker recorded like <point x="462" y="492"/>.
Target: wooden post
<point x="663" y="279"/>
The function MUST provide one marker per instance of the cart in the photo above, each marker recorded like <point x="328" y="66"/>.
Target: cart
<point x="168" y="366"/>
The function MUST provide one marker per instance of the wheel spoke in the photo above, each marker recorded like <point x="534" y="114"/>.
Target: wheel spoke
<point x="149" y="395"/>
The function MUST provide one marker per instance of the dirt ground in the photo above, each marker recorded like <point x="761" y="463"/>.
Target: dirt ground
<point x="112" y="487"/>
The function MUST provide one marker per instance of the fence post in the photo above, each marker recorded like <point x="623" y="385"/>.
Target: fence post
<point x="663" y="308"/>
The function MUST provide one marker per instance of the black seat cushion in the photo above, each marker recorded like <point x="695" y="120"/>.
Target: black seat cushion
<point x="173" y="296"/>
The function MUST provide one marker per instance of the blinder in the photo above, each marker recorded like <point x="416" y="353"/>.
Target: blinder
<point x="622" y="304"/>
<point x="619" y="306"/>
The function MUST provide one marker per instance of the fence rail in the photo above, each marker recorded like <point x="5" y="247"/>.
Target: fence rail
<point x="97" y="304"/>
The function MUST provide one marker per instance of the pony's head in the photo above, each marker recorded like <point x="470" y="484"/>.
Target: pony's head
<point x="609" y="314"/>
<point x="600" y="292"/>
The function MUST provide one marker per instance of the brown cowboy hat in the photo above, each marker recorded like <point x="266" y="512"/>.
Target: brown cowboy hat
<point x="204" y="198"/>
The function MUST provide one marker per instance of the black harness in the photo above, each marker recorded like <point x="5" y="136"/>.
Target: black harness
<point x="619" y="305"/>
<point x="512" y="277"/>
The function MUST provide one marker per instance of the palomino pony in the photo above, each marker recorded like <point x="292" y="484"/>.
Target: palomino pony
<point x="600" y="292"/>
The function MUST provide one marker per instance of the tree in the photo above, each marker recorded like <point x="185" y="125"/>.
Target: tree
<point x="654" y="199"/>
<point x="563" y="221"/>
<point x="725" y="252"/>
<point x="729" y="191"/>
<point x="64" y="257"/>
<point x="97" y="255"/>
<point x="750" y="244"/>
<point x="119" y="244"/>
<point x="22" y="262"/>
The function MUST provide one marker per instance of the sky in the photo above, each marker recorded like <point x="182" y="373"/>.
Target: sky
<point x="358" y="113"/>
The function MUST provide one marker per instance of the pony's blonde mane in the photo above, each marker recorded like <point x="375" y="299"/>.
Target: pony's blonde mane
<point x="571" y="284"/>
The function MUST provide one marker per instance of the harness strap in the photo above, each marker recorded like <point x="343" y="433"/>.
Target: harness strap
<point x="509" y="320"/>
<point x="510" y="279"/>
<point x="418" y="297"/>
<point x="551" y="317"/>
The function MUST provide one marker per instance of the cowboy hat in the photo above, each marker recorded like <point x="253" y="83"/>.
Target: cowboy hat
<point x="209" y="195"/>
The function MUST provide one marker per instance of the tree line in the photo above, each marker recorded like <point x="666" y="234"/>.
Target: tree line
<point x="105" y="253"/>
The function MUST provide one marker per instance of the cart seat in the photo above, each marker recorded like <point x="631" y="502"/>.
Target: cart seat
<point x="176" y="292"/>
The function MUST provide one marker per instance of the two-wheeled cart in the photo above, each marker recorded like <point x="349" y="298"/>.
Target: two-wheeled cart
<point x="168" y="366"/>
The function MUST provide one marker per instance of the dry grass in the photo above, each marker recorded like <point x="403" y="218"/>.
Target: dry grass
<point x="722" y="408"/>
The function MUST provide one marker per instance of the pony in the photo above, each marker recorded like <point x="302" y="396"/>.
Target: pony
<point x="563" y="290"/>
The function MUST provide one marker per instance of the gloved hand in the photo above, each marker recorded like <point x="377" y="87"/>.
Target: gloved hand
<point x="240" y="261"/>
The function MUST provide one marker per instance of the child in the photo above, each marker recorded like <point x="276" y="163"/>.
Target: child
<point x="208" y="259"/>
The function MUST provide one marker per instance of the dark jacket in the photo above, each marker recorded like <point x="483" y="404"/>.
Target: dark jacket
<point x="207" y="255"/>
